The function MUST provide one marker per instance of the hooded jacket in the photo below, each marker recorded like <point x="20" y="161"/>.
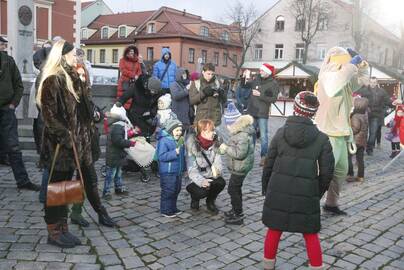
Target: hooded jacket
<point x="161" y="65"/>
<point x="359" y="121"/>
<point x="240" y="146"/>
<point x="116" y="142"/>
<point x="180" y="98"/>
<point x="11" y="87"/>
<point x="297" y="171"/>
<point x="169" y="161"/>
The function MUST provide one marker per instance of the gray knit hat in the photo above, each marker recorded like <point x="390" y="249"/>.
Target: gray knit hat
<point x="154" y="85"/>
<point x="172" y="124"/>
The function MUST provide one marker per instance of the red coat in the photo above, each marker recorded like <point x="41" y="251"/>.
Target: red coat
<point x="129" y="68"/>
<point x="399" y="124"/>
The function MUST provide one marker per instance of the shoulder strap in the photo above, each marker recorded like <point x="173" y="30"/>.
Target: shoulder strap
<point x="165" y="71"/>
<point x="206" y="158"/>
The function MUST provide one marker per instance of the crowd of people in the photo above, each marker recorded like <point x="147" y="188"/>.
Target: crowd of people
<point x="309" y="156"/>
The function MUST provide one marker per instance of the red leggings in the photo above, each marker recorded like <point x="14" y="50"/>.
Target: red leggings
<point x="312" y="246"/>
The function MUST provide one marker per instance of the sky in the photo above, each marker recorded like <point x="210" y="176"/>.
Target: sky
<point x="386" y="12"/>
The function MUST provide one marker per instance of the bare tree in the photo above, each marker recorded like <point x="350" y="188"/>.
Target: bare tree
<point x="311" y="16"/>
<point x="246" y="27"/>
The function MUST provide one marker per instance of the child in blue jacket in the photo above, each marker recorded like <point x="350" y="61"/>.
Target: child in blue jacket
<point x="171" y="159"/>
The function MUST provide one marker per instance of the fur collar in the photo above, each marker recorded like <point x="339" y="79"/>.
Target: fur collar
<point x="241" y="123"/>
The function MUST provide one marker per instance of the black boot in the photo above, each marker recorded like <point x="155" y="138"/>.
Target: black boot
<point x="79" y="220"/>
<point x="105" y="219"/>
<point x="234" y="219"/>
<point x="57" y="238"/>
<point x="67" y="234"/>
<point x="210" y="204"/>
<point x="194" y="204"/>
<point x="335" y="210"/>
<point x="30" y="186"/>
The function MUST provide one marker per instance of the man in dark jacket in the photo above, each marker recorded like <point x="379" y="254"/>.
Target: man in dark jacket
<point x="11" y="90"/>
<point x="265" y="91"/>
<point x="378" y="101"/>
<point x="207" y="96"/>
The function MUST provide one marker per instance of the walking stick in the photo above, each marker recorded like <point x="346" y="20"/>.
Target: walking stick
<point x="389" y="164"/>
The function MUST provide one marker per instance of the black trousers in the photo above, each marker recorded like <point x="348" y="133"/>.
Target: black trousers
<point x="211" y="193"/>
<point x="56" y="213"/>
<point x="360" y="162"/>
<point x="234" y="190"/>
<point x="37" y="129"/>
<point x="395" y="146"/>
<point x="9" y="145"/>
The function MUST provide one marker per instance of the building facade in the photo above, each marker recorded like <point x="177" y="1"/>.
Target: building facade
<point x="192" y="40"/>
<point x="280" y="42"/>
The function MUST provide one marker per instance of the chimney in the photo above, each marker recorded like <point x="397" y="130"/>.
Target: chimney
<point x="184" y="12"/>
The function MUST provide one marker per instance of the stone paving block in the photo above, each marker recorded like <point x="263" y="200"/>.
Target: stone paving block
<point x="7" y="264"/>
<point x="51" y="257"/>
<point x="30" y="266"/>
<point x="84" y="266"/>
<point x="115" y="267"/>
<point x="107" y="260"/>
<point x="58" y="266"/>
<point x="22" y="255"/>
<point x="75" y="258"/>
<point x="132" y="262"/>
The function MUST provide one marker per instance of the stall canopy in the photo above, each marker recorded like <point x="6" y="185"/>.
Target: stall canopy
<point x="385" y="73"/>
<point x="296" y="70"/>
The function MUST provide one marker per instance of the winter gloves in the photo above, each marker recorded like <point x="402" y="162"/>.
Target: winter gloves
<point x="208" y="91"/>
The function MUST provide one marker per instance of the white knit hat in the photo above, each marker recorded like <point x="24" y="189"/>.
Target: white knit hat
<point x="118" y="112"/>
<point x="166" y="100"/>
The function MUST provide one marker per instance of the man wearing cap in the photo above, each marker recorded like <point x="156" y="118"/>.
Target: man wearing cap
<point x="11" y="90"/>
<point x="265" y="91"/>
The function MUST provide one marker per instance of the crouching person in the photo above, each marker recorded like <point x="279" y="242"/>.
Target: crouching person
<point x="204" y="166"/>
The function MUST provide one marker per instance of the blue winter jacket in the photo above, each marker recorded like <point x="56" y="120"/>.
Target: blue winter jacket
<point x="160" y="66"/>
<point x="169" y="161"/>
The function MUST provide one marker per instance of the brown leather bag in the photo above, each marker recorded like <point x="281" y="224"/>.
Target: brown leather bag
<point x="67" y="191"/>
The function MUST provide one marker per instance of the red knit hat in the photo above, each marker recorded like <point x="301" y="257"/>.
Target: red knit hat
<point x="306" y="104"/>
<point x="267" y="68"/>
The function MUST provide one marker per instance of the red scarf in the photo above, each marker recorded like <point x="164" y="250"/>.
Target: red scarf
<point x="205" y="143"/>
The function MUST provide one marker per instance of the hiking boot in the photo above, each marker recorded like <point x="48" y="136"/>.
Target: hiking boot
<point x="105" y="219"/>
<point x="30" y="186"/>
<point x="210" y="204"/>
<point x="269" y="264"/>
<point x="57" y="238"/>
<point x="235" y="219"/>
<point x="67" y="234"/>
<point x="194" y="204"/>
<point x="334" y="209"/>
<point x="79" y="220"/>
<point x="122" y="191"/>
<point x="232" y="213"/>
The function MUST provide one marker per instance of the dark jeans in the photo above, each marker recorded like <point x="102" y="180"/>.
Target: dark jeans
<point x="55" y="214"/>
<point x="359" y="161"/>
<point x="197" y="192"/>
<point x="234" y="190"/>
<point x="44" y="185"/>
<point x="37" y="129"/>
<point x="395" y="146"/>
<point x="379" y="135"/>
<point x="170" y="188"/>
<point x="10" y="145"/>
<point x="374" y="124"/>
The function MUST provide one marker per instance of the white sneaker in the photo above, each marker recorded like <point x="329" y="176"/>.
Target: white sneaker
<point x="169" y="216"/>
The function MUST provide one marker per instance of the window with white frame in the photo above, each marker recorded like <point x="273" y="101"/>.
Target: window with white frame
<point x="300" y="23"/>
<point x="151" y="28"/>
<point x="90" y="55"/>
<point x="204" y="31"/>
<point x="225" y="36"/>
<point x="104" y="32"/>
<point x="191" y="55"/>
<point x="216" y="58"/>
<point x="323" y="23"/>
<point x="114" y="56"/>
<point x="150" y="53"/>
<point x="299" y="51"/>
<point x="102" y="56"/>
<point x="204" y="56"/>
<point x="280" y="24"/>
<point x="258" y="52"/>
<point x="278" y="51"/>
<point x="84" y="33"/>
<point x="122" y="32"/>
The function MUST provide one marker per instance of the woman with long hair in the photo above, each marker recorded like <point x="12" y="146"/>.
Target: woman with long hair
<point x="130" y="69"/>
<point x="59" y="101"/>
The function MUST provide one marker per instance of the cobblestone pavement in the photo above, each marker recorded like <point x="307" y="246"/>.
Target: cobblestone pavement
<point x="370" y="237"/>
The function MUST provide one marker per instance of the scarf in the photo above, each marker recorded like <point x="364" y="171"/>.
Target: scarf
<point x="205" y="143"/>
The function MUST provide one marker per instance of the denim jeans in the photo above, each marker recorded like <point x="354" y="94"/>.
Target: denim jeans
<point x="374" y="124"/>
<point x="262" y="125"/>
<point x="115" y="174"/>
<point x="44" y="185"/>
<point x="10" y="145"/>
<point x="170" y="188"/>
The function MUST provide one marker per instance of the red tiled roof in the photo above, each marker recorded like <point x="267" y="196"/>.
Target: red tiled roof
<point x="86" y="4"/>
<point x="114" y="20"/>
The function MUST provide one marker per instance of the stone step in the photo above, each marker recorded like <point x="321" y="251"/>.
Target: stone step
<point x="25" y="131"/>
<point x="32" y="156"/>
<point x="27" y="143"/>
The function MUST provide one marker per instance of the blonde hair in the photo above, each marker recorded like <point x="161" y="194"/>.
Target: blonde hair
<point x="53" y="66"/>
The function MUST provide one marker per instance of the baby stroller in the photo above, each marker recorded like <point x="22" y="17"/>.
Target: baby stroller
<point x="139" y="156"/>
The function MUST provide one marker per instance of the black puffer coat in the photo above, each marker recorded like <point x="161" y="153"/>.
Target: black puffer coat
<point x="297" y="171"/>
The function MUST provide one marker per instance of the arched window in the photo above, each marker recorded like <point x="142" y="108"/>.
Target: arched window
<point x="122" y="31"/>
<point x="204" y="31"/>
<point x="104" y="32"/>
<point x="300" y="23"/>
<point x="279" y="24"/>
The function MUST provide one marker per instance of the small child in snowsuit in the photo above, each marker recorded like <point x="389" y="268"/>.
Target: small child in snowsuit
<point x="297" y="172"/>
<point x="171" y="159"/>
<point x="395" y="131"/>
<point x="164" y="112"/>
<point x="359" y="125"/>
<point x="118" y="140"/>
<point x="239" y="149"/>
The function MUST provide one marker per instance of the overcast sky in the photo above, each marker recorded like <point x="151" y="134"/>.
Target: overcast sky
<point x="214" y="10"/>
